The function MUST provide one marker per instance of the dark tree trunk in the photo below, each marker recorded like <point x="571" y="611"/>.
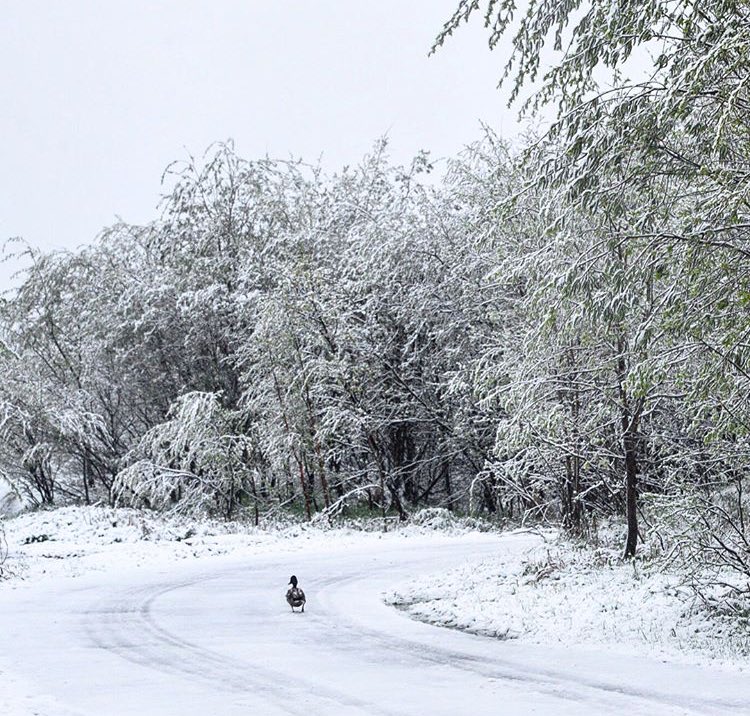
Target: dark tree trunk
<point x="630" y="443"/>
<point x="86" y="478"/>
<point x="396" y="499"/>
<point x="445" y="467"/>
<point x="488" y="498"/>
<point x="256" y="516"/>
<point x="630" y="415"/>
<point x="305" y="491"/>
<point x="322" y="471"/>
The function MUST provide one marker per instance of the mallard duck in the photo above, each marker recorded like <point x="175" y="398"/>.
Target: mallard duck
<point x="294" y="595"/>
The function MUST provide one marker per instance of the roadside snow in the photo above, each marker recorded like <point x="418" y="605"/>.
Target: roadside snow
<point x="71" y="541"/>
<point x="553" y="594"/>
<point x="74" y="540"/>
<point x="566" y="595"/>
<point x="214" y="635"/>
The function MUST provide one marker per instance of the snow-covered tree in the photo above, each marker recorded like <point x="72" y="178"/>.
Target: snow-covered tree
<point x="195" y="461"/>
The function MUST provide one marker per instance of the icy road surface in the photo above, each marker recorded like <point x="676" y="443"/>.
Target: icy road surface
<point x="215" y="637"/>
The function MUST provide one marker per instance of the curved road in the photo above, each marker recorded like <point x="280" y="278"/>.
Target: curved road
<point x="215" y="637"/>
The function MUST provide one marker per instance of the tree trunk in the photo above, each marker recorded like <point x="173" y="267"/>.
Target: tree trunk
<point x="86" y="473"/>
<point x="396" y="499"/>
<point x="445" y="467"/>
<point x="303" y="485"/>
<point x="630" y="415"/>
<point x="488" y="498"/>
<point x="255" y="499"/>
<point x="322" y="471"/>
<point x="629" y="441"/>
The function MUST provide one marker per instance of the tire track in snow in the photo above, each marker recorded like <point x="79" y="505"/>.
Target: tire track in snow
<point x="131" y="628"/>
<point x="129" y="622"/>
<point x="553" y="682"/>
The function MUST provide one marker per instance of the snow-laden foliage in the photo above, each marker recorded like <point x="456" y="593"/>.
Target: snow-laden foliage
<point x="380" y="341"/>
<point x="558" y="334"/>
<point x="191" y="462"/>
<point x="278" y="339"/>
<point x="643" y="178"/>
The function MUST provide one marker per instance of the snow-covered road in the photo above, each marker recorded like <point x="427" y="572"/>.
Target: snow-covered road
<point x="215" y="637"/>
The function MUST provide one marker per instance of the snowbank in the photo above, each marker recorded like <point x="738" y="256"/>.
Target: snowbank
<point x="562" y="594"/>
<point x="74" y="540"/>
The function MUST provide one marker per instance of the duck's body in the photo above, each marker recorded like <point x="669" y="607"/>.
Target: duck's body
<point x="295" y="597"/>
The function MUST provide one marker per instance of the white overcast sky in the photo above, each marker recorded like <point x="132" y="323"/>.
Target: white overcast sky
<point x="98" y="96"/>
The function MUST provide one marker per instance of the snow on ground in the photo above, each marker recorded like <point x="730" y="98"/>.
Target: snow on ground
<point x="562" y="594"/>
<point x="174" y="616"/>
<point x="71" y="541"/>
<point x="556" y="593"/>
